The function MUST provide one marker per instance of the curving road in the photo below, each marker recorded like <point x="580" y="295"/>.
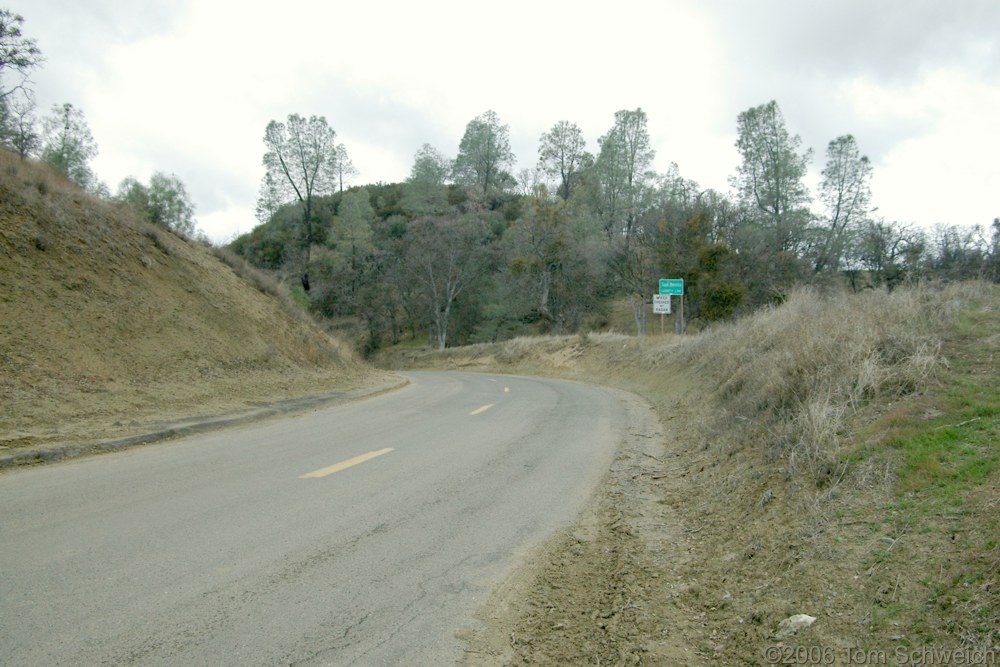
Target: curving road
<point x="362" y="534"/>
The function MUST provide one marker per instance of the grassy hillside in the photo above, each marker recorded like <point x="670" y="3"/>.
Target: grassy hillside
<point x="834" y="456"/>
<point x="108" y="324"/>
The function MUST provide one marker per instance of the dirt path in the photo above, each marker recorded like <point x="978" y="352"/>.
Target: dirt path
<point x="599" y="593"/>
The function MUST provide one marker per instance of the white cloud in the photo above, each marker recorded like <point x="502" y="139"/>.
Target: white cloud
<point x="948" y="171"/>
<point x="225" y="224"/>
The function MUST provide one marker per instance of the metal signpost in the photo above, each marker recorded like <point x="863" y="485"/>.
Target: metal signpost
<point x="661" y="305"/>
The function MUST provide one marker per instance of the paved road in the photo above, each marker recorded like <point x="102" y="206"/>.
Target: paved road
<point x="364" y="534"/>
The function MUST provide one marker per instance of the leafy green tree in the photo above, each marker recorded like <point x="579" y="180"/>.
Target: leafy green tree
<point x="562" y="155"/>
<point x="363" y="263"/>
<point x="546" y="249"/>
<point x="272" y="245"/>
<point x="717" y="292"/>
<point x="351" y="240"/>
<point x="352" y="228"/>
<point x="301" y="161"/>
<point x="164" y="202"/>
<point x="484" y="156"/>
<point x="68" y="146"/>
<point x="134" y="194"/>
<point x="426" y="191"/>
<point x="622" y="195"/>
<point x="770" y="178"/>
<point x="19" y="55"/>
<point x="691" y="244"/>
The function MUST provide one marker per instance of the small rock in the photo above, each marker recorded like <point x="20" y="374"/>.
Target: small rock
<point x="793" y="624"/>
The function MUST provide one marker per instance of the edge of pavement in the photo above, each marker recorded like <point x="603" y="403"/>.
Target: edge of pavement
<point x="56" y="452"/>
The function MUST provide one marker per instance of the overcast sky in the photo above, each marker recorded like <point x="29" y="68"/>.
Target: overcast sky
<point x="188" y="86"/>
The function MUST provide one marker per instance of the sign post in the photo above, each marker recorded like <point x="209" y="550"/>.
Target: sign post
<point x="661" y="305"/>
<point x="670" y="287"/>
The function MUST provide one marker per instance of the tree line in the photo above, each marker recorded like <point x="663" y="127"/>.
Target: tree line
<point x="62" y="139"/>
<point x="465" y="250"/>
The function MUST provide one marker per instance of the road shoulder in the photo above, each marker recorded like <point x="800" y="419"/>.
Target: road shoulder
<point x="549" y="610"/>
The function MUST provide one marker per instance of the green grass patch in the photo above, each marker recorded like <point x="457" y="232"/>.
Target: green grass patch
<point x="946" y="460"/>
<point x="939" y="459"/>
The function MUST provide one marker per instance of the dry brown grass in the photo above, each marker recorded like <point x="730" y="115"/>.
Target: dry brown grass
<point x="109" y="324"/>
<point x="265" y="282"/>
<point x="790" y="378"/>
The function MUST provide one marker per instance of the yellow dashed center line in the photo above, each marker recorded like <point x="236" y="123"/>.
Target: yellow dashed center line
<point x="337" y="467"/>
<point x="481" y="410"/>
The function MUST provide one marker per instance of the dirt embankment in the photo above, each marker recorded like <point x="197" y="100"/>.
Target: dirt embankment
<point x="794" y="471"/>
<point x="110" y="327"/>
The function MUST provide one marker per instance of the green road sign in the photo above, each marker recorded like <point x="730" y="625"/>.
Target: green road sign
<point x="673" y="286"/>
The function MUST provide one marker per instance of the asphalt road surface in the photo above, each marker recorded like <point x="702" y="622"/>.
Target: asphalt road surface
<point x="362" y="534"/>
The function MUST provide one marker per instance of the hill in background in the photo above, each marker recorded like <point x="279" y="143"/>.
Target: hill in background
<point x="109" y="325"/>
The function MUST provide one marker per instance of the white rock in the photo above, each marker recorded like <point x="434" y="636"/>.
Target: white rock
<point x="793" y="624"/>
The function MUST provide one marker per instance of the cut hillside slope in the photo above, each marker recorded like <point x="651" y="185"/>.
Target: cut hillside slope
<point x="835" y="456"/>
<point x="110" y="326"/>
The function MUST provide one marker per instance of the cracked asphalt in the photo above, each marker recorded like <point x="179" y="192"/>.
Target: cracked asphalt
<point x="366" y="533"/>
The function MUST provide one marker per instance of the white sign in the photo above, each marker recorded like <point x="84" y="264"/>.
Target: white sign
<point x="661" y="304"/>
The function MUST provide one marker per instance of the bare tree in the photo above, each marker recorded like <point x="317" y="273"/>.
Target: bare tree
<point x="301" y="163"/>
<point x="345" y="168"/>
<point x="846" y="193"/>
<point x="444" y="256"/>
<point x="18" y="128"/>
<point x="18" y="54"/>
<point x="562" y="153"/>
